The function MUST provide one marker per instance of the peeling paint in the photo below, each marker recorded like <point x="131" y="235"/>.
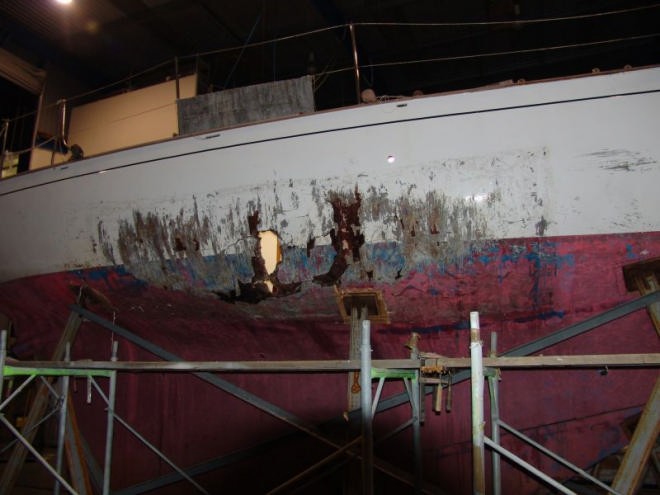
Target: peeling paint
<point x="151" y="246"/>
<point x="541" y="226"/>
<point x="437" y="228"/>
<point x="211" y="251"/>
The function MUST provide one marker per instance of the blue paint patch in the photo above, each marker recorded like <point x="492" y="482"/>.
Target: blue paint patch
<point x="110" y="275"/>
<point x="541" y="316"/>
<point x="297" y="266"/>
<point x="630" y="254"/>
<point x="489" y="254"/>
<point x="545" y="254"/>
<point x="95" y="274"/>
<point x="458" y="325"/>
<point x="384" y="262"/>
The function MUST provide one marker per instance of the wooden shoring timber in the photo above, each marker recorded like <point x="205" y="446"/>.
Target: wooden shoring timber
<point x="637" y="455"/>
<point x="644" y="277"/>
<point x="74" y="453"/>
<point x="353" y="389"/>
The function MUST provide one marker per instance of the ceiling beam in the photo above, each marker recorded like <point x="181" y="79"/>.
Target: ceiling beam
<point x="146" y="17"/>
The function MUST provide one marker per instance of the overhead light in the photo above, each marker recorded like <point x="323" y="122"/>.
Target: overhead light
<point x="64" y="2"/>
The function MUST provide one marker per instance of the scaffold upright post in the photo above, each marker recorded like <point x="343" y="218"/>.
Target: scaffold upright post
<point x="353" y="389"/>
<point x="61" y="430"/>
<point x="367" y="433"/>
<point x="112" y="389"/>
<point x="493" y="387"/>
<point x="417" y="433"/>
<point x="477" y="377"/>
<point x="3" y="355"/>
<point x="416" y="403"/>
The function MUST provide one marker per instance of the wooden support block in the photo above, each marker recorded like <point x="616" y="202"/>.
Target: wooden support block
<point x="644" y="277"/>
<point x="637" y="456"/>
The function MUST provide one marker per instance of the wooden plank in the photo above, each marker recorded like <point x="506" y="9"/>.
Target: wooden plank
<point x="37" y="410"/>
<point x="636" y="458"/>
<point x="339" y="365"/>
<point x="353" y="386"/>
<point x="74" y="453"/>
<point x="566" y="361"/>
<point x="644" y="277"/>
<point x="586" y="360"/>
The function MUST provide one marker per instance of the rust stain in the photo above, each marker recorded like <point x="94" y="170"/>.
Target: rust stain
<point x="434" y="228"/>
<point x="311" y="242"/>
<point x="150" y="245"/>
<point x="253" y="223"/>
<point x="437" y="227"/>
<point x="221" y="253"/>
<point x="258" y="261"/>
<point x="377" y="204"/>
<point x="178" y="244"/>
<point x="346" y="238"/>
<point x="105" y="243"/>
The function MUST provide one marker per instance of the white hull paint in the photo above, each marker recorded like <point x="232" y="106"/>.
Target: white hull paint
<point x="576" y="156"/>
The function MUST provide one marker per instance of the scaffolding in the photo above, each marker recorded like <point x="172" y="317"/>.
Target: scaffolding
<point x="422" y="373"/>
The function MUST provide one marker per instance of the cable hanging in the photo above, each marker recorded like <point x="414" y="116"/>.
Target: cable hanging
<point x="509" y="22"/>
<point x="496" y="54"/>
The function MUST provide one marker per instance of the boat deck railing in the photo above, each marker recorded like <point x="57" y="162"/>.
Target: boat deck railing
<point x="342" y="69"/>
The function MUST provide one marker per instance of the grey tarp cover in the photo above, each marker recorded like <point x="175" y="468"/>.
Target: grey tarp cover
<point x="247" y="104"/>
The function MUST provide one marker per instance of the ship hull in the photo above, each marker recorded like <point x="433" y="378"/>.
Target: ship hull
<point x="524" y="203"/>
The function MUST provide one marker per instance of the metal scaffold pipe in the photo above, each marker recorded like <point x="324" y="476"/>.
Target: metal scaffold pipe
<point x="367" y="433"/>
<point x="477" y="377"/>
<point x="63" y="401"/>
<point x="3" y="354"/>
<point x="493" y="386"/>
<point x="109" y="432"/>
<point x="356" y="63"/>
<point x="3" y="133"/>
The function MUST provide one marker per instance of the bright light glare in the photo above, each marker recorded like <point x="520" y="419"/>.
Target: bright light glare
<point x="391" y="159"/>
<point x="477" y="198"/>
<point x="64" y="2"/>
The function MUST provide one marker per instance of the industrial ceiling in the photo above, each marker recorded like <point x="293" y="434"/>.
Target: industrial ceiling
<point x="400" y="45"/>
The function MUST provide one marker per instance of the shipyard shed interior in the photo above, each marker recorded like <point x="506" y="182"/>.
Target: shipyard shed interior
<point x="337" y="398"/>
